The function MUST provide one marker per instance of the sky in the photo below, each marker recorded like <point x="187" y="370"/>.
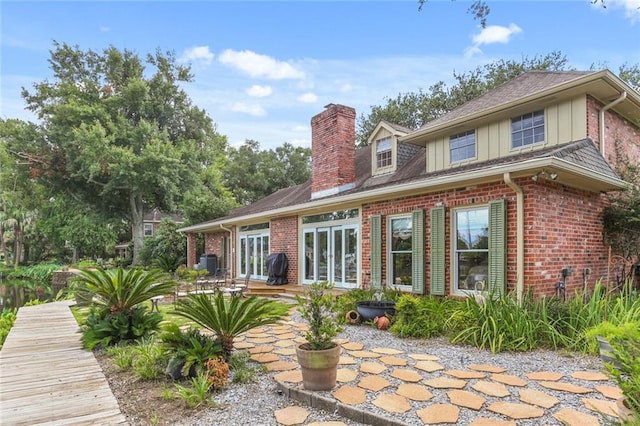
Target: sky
<point x="262" y="69"/>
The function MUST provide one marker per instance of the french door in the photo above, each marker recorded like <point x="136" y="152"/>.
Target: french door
<point x="331" y="254"/>
<point x="254" y="250"/>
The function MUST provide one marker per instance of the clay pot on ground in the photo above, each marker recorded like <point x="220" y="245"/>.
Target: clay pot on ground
<point x="353" y="317"/>
<point x="382" y="323"/>
<point x="319" y="367"/>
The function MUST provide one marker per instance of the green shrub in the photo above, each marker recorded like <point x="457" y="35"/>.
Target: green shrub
<point x="187" y="350"/>
<point x="198" y="393"/>
<point x="421" y="317"/>
<point x="148" y="359"/>
<point x="7" y="318"/>
<point x="103" y="328"/>
<point x="625" y="343"/>
<point x="243" y="370"/>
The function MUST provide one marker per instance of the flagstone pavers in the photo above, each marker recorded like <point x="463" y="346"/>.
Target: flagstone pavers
<point x="548" y="376"/>
<point x="285" y="351"/>
<point x="372" y="367"/>
<point x="257" y="335"/>
<point x="386" y="351"/>
<point x="414" y="392"/>
<point x="406" y="375"/>
<point x="347" y="360"/>
<point x="331" y="423"/>
<point x="350" y="395"/>
<point x="243" y="345"/>
<point x="487" y="368"/>
<point x="364" y="354"/>
<point x="571" y="417"/>
<point x="393" y="360"/>
<point x="601" y="406"/>
<point x="491" y="388"/>
<point x="285" y="343"/>
<point x="287" y="336"/>
<point x="516" y="410"/>
<point x="292" y="376"/>
<point x="589" y="376"/>
<point x="508" y="379"/>
<point x="264" y="357"/>
<point x="281" y="365"/>
<point x="346" y="375"/>
<point x="352" y="346"/>
<point x="392" y="403"/>
<point x="445" y="383"/>
<point x="612" y="392"/>
<point x="465" y="374"/>
<point x="374" y="383"/>
<point x="486" y="421"/>
<point x="539" y="398"/>
<point x="565" y="387"/>
<point x="423" y="357"/>
<point x="439" y="413"/>
<point x="289" y="416"/>
<point x="428" y="366"/>
<point x="466" y="399"/>
<point x="260" y="349"/>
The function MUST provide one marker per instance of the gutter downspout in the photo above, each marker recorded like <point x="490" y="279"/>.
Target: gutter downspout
<point x="519" y="235"/>
<point x="610" y="105"/>
<point x="230" y="247"/>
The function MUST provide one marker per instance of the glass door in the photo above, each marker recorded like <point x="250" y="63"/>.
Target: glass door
<point x="331" y="254"/>
<point x="254" y="250"/>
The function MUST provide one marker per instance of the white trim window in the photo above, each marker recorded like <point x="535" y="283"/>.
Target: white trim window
<point x="384" y="154"/>
<point x="471" y="249"/>
<point x="400" y="251"/>
<point x="148" y="230"/>
<point x="462" y="146"/>
<point x="527" y="129"/>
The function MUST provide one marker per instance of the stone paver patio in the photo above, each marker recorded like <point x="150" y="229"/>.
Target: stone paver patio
<point x="492" y="394"/>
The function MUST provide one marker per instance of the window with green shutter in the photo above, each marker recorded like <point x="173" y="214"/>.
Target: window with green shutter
<point x="497" y="246"/>
<point x="417" y="254"/>
<point x="375" y="241"/>
<point x="437" y="247"/>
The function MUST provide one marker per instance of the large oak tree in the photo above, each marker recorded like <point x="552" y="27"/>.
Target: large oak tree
<point x="120" y="133"/>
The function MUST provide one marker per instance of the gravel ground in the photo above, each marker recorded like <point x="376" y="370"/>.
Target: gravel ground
<point x="255" y="404"/>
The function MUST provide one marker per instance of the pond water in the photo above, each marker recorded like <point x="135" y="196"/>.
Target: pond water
<point x="15" y="293"/>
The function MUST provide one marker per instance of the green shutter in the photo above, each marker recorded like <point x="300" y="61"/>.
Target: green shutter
<point x="437" y="244"/>
<point x="375" y="240"/>
<point x="497" y="246"/>
<point x="417" y="251"/>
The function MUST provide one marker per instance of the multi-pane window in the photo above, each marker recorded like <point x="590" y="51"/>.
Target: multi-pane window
<point x="383" y="153"/>
<point x="471" y="249"/>
<point x="527" y="129"/>
<point x="148" y="230"/>
<point x="400" y="250"/>
<point x="462" y="146"/>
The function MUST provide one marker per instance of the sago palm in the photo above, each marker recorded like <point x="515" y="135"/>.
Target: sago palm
<point x="228" y="317"/>
<point x="120" y="290"/>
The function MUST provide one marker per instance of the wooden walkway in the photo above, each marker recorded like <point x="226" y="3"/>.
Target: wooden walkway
<point x="47" y="378"/>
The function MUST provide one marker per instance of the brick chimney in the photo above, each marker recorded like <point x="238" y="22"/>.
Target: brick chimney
<point x="333" y="151"/>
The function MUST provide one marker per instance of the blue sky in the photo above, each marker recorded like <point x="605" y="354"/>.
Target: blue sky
<point x="263" y="69"/>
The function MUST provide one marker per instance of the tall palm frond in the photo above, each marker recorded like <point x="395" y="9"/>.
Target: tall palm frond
<point x="121" y="289"/>
<point x="228" y="317"/>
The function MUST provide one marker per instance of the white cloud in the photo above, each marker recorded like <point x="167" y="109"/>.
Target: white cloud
<point x="259" y="91"/>
<point x="199" y="54"/>
<point x="300" y="129"/>
<point x="251" y="109"/>
<point x="631" y="8"/>
<point x="496" y="34"/>
<point x="308" y="98"/>
<point x="257" y="65"/>
<point x="346" y="87"/>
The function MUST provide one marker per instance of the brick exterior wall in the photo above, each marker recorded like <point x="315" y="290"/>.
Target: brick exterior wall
<point x="283" y="238"/>
<point x="192" y="247"/>
<point x="333" y="148"/>
<point x="622" y="139"/>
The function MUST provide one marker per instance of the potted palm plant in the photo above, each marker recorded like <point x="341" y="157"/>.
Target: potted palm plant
<point x="319" y="355"/>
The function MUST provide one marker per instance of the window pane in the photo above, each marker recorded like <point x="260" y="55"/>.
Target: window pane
<point x="401" y="234"/>
<point x="527" y="129"/>
<point x="351" y="255"/>
<point x="401" y="263"/>
<point x="472" y="270"/>
<point x="472" y="243"/>
<point x="383" y="145"/>
<point x="309" y="250"/>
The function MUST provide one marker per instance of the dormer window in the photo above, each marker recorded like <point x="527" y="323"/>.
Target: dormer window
<point x="462" y="146"/>
<point x="384" y="156"/>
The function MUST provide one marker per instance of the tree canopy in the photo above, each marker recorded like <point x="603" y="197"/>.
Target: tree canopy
<point x="119" y="133"/>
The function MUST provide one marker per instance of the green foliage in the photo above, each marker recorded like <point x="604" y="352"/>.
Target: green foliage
<point x="116" y="290"/>
<point x="318" y="307"/>
<point x="39" y="274"/>
<point x="244" y="371"/>
<point x="187" y="350"/>
<point x="229" y="317"/>
<point x="422" y="317"/>
<point x="625" y="343"/>
<point x="198" y="393"/>
<point x="7" y="318"/>
<point x="165" y="250"/>
<point x="122" y="356"/>
<point x="148" y="358"/>
<point x="104" y="328"/>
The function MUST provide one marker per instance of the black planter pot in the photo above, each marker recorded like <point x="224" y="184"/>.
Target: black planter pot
<point x="369" y="309"/>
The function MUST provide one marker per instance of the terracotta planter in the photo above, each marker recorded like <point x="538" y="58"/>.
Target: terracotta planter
<point x="369" y="309"/>
<point x="353" y="317"/>
<point x="319" y="367"/>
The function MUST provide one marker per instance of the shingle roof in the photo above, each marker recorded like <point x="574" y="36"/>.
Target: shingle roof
<point x="527" y="83"/>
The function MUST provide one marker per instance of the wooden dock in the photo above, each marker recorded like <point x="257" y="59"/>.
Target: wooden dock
<point x="47" y="378"/>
